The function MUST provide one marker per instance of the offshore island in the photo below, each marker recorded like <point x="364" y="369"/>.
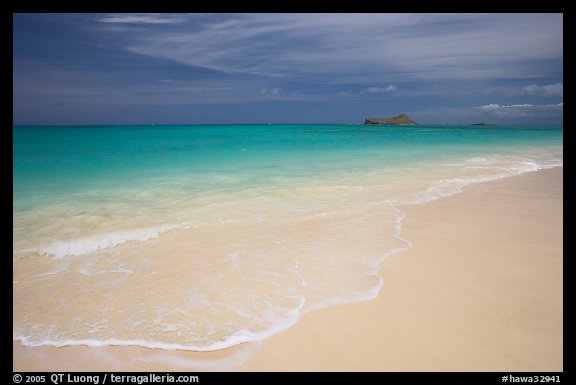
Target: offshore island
<point x="399" y="120"/>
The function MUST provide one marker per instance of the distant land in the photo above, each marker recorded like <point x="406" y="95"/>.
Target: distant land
<point x="402" y="119"/>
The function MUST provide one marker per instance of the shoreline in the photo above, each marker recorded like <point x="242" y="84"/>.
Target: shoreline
<point x="480" y="290"/>
<point x="412" y="325"/>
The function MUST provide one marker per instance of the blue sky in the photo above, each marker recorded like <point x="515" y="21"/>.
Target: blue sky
<point x="287" y="68"/>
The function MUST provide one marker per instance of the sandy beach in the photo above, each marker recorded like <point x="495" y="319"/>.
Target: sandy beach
<point x="481" y="289"/>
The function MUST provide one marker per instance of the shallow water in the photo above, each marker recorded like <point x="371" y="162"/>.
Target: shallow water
<point x="203" y="237"/>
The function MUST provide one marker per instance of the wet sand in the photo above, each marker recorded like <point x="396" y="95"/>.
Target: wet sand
<point x="480" y="290"/>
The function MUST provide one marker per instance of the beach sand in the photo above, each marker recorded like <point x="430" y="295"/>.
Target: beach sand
<point x="480" y="290"/>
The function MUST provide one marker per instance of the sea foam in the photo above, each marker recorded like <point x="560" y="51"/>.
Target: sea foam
<point x="75" y="247"/>
<point x="448" y="187"/>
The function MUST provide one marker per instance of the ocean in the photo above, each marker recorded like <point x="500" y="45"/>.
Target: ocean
<point x="201" y="237"/>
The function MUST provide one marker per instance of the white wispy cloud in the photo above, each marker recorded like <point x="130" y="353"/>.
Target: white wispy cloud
<point x="410" y="46"/>
<point x="545" y="90"/>
<point x="524" y="110"/>
<point x="271" y="91"/>
<point x="539" y="90"/>
<point x="377" y="90"/>
<point x="143" y="18"/>
<point x="450" y="65"/>
<point x="523" y="113"/>
<point x="495" y="106"/>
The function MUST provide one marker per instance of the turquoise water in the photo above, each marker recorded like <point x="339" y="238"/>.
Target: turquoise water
<point x="201" y="237"/>
<point x="53" y="161"/>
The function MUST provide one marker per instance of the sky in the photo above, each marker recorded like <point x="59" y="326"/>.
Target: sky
<point x="287" y="68"/>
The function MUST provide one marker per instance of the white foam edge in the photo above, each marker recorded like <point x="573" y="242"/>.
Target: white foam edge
<point x="224" y="364"/>
<point x="448" y="187"/>
<point x="239" y="337"/>
<point x="86" y="245"/>
<point x="375" y="271"/>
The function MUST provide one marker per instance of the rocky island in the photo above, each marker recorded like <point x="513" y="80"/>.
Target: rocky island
<point x="401" y="120"/>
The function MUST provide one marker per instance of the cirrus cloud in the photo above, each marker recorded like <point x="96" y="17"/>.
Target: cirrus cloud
<point x="410" y="46"/>
<point x="338" y="66"/>
<point x="545" y="90"/>
<point x="524" y="110"/>
<point x="271" y="91"/>
<point x="495" y="106"/>
<point x="377" y="90"/>
<point x="143" y="18"/>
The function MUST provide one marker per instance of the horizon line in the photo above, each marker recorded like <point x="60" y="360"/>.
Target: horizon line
<point x="286" y="124"/>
